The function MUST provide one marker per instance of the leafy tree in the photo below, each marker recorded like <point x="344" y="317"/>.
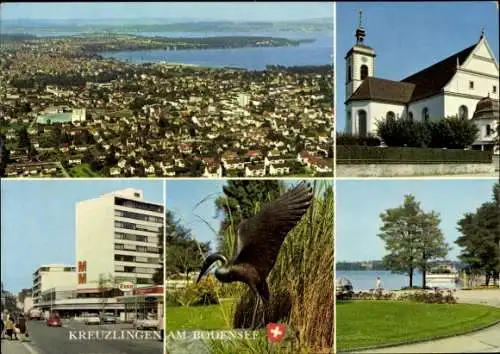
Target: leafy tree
<point x="453" y="133"/>
<point x="160" y="272"/>
<point x="404" y="132"/>
<point x="196" y="168"/>
<point x="111" y="159"/>
<point x="412" y="238"/>
<point x="24" y="141"/>
<point x="105" y="283"/>
<point x="183" y="253"/>
<point x="241" y="200"/>
<point x="23" y="294"/>
<point x="432" y="243"/>
<point x="480" y="239"/>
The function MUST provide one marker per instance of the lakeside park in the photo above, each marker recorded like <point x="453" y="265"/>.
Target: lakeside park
<point x="450" y="310"/>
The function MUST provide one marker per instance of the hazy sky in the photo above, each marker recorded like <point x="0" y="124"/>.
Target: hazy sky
<point x="408" y="37"/>
<point x="238" y="11"/>
<point x="360" y="202"/>
<point x="38" y="221"/>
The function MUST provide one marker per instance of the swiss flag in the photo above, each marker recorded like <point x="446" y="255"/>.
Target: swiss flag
<point x="275" y="332"/>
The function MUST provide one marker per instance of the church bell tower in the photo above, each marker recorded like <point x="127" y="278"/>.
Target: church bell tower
<point x="360" y="61"/>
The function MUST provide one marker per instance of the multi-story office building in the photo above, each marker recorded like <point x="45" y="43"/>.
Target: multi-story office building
<point x="52" y="276"/>
<point x="117" y="238"/>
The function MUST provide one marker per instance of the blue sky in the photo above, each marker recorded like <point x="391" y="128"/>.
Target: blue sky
<point x="183" y="199"/>
<point x="360" y="202"/>
<point x="249" y="11"/>
<point x="408" y="37"/>
<point x="38" y="221"/>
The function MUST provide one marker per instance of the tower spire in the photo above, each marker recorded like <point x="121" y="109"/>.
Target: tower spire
<point x="360" y="31"/>
<point x="482" y="33"/>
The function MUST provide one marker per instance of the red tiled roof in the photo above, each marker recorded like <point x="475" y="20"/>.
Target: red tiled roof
<point x="422" y="84"/>
<point x="376" y="89"/>
<point x="432" y="79"/>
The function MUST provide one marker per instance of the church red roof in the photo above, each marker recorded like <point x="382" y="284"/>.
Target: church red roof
<point x="423" y="84"/>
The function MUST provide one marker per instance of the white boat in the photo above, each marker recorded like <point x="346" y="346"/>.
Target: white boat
<point x="442" y="277"/>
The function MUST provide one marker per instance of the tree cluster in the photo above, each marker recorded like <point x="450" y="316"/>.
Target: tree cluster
<point x="480" y="240"/>
<point x="450" y="133"/>
<point x="183" y="253"/>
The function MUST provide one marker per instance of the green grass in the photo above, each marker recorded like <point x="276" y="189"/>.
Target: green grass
<point x="83" y="170"/>
<point x="198" y="317"/>
<point x="371" y="323"/>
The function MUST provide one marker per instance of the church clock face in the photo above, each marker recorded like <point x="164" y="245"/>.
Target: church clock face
<point x="363" y="59"/>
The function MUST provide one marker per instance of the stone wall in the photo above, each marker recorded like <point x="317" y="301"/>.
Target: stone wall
<point x="413" y="170"/>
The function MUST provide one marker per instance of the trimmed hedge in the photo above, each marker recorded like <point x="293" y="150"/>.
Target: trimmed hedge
<point x="351" y="139"/>
<point x="352" y="154"/>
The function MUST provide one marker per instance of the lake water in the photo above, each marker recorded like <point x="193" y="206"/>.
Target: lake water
<point x="319" y="52"/>
<point x="364" y="279"/>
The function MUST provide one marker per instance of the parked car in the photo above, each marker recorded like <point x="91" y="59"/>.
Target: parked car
<point x="35" y="314"/>
<point x="108" y="318"/>
<point x="90" y="319"/>
<point x="146" y="323"/>
<point x="54" y="321"/>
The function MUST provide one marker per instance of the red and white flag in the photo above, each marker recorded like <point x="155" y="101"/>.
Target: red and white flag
<point x="275" y="332"/>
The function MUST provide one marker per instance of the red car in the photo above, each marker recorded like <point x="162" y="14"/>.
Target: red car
<point x="54" y="321"/>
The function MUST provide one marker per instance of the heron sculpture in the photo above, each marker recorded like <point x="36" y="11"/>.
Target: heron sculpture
<point x="259" y="240"/>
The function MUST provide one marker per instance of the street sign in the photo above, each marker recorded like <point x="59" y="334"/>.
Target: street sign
<point x="126" y="286"/>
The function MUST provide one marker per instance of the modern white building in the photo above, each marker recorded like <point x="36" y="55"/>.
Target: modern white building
<point x="243" y="99"/>
<point x="78" y="115"/>
<point x="117" y="237"/>
<point x="52" y="276"/>
<point x="452" y="87"/>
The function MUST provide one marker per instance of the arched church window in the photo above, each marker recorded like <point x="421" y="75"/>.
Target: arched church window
<point x="362" y="123"/>
<point x="488" y="130"/>
<point x="410" y="116"/>
<point x="349" y="74"/>
<point x="349" y="122"/>
<point x="425" y="114"/>
<point x="463" y="113"/>
<point x="390" y="115"/>
<point x="364" y="72"/>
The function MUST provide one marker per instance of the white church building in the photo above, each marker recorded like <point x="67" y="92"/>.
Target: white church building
<point x="465" y="85"/>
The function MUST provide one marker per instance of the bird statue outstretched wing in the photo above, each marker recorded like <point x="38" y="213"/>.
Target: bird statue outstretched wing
<point x="260" y="237"/>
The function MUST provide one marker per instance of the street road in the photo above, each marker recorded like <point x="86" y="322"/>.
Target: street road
<point x="47" y="340"/>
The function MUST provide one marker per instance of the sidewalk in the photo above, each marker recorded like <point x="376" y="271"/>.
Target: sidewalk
<point x="16" y="347"/>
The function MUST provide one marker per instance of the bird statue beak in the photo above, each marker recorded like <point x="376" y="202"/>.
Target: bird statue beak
<point x="208" y="263"/>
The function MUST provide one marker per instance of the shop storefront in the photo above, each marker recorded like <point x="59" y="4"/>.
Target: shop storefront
<point x="142" y="303"/>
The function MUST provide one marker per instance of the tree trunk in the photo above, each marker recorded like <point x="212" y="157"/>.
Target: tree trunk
<point x="488" y="275"/>
<point x="410" y="275"/>
<point x="424" y="278"/>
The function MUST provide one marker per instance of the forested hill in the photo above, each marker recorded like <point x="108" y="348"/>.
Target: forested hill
<point x="366" y="265"/>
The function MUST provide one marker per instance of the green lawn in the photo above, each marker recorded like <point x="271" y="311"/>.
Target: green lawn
<point x="370" y="323"/>
<point x="82" y="170"/>
<point x="199" y="317"/>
